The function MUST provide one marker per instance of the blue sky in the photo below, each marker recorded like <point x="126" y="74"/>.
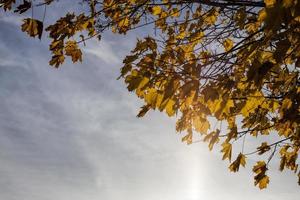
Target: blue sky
<point x="72" y="133"/>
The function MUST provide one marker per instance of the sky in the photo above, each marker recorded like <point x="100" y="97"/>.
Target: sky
<point x="72" y="133"/>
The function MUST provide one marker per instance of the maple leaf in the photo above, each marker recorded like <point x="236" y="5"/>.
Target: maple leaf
<point x="228" y="44"/>
<point x="7" y="4"/>
<point x="201" y="125"/>
<point x="188" y="138"/>
<point x="33" y="27"/>
<point x="270" y="3"/>
<point x="213" y="138"/>
<point x="156" y="10"/>
<point x="264" y="147"/>
<point x="23" y="7"/>
<point x="144" y="110"/>
<point x="57" y="60"/>
<point x="226" y="150"/>
<point x="72" y="50"/>
<point x="240" y="160"/>
<point x="261" y="179"/>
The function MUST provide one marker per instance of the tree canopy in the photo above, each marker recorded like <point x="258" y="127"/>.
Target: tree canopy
<point x="207" y="62"/>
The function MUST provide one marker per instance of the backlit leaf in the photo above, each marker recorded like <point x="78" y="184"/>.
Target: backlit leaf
<point x="228" y="44"/>
<point x="72" y="50"/>
<point x="240" y="160"/>
<point x="33" y="27"/>
<point x="156" y="10"/>
<point x="261" y="179"/>
<point x="226" y="150"/>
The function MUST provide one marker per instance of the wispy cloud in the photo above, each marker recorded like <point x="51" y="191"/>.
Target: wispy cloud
<point x="102" y="51"/>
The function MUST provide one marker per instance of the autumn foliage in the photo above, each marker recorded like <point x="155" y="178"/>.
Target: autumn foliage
<point x="207" y="62"/>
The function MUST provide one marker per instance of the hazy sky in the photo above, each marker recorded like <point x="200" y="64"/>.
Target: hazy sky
<point x="72" y="134"/>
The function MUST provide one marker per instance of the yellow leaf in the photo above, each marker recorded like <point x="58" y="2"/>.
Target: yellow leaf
<point x="229" y="104"/>
<point x="140" y="89"/>
<point x="57" y="60"/>
<point x="72" y="50"/>
<point x="151" y="96"/>
<point x="240" y="17"/>
<point x="181" y="35"/>
<point x="175" y="12"/>
<point x="263" y="183"/>
<point x="269" y="3"/>
<point x="252" y="27"/>
<point x="227" y="148"/>
<point x="189" y="98"/>
<point x="156" y="10"/>
<point x="261" y="178"/>
<point x="286" y="104"/>
<point x="113" y="29"/>
<point x="274" y="105"/>
<point x="251" y="103"/>
<point x="212" y="17"/>
<point x="123" y="23"/>
<point x="262" y="15"/>
<point x="170" y="108"/>
<point x="243" y="160"/>
<point x="132" y="2"/>
<point x="201" y="125"/>
<point x="231" y="122"/>
<point x="159" y="100"/>
<point x="297" y="19"/>
<point x="213" y="138"/>
<point x="198" y="36"/>
<point x="228" y="44"/>
<point x="223" y="108"/>
<point x="287" y="3"/>
<point x="56" y="44"/>
<point x="240" y="160"/>
<point x="144" y="110"/>
<point x="264" y="147"/>
<point x="32" y="27"/>
<point x="188" y="138"/>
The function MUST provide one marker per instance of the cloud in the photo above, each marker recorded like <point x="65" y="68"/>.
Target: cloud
<point x="10" y="19"/>
<point x="103" y="51"/>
